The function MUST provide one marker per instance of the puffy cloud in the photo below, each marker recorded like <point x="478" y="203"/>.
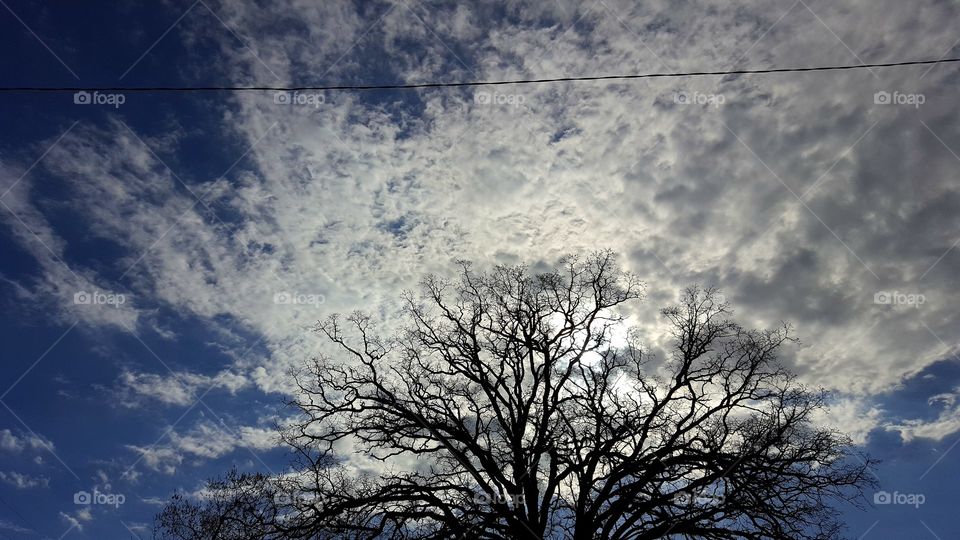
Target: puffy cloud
<point x="799" y="217"/>
<point x="77" y="518"/>
<point x="16" y="443"/>
<point x="851" y="416"/>
<point x="161" y="459"/>
<point x="203" y="441"/>
<point x="23" y="481"/>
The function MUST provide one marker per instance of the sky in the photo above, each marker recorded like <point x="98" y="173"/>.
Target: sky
<point x="164" y="256"/>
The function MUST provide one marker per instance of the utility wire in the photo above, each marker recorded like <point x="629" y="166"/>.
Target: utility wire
<point x="36" y="89"/>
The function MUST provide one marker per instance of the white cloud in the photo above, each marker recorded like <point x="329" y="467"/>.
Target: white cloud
<point x="77" y="518"/>
<point x="180" y="388"/>
<point x="622" y="166"/>
<point x="161" y="459"/>
<point x="946" y="423"/>
<point x="58" y="286"/>
<point x="852" y="417"/>
<point x="203" y="441"/>
<point x="947" y="398"/>
<point x="140" y="528"/>
<point x="17" y="443"/>
<point x="13" y="527"/>
<point x="23" y="481"/>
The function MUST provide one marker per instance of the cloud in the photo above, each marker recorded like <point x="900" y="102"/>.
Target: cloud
<point x="210" y="440"/>
<point x="946" y="423"/>
<point x="947" y="398"/>
<point x="23" y="481"/>
<point x="799" y="218"/>
<point x="139" y="528"/>
<point x="851" y="416"/>
<point x="12" y="442"/>
<point x="74" y="293"/>
<point x="204" y="441"/>
<point x="160" y="459"/>
<point x="181" y="388"/>
<point x="77" y="518"/>
<point x="13" y="527"/>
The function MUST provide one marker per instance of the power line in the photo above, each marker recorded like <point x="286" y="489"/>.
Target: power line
<point x="131" y="89"/>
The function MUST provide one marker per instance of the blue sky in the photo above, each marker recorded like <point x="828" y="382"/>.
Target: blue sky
<point x="184" y="216"/>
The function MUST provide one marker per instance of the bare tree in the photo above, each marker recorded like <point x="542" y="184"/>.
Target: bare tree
<point x="523" y="419"/>
<point x="240" y="506"/>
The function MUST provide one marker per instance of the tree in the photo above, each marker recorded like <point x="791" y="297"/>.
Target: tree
<point x="523" y="419"/>
<point x="240" y="506"/>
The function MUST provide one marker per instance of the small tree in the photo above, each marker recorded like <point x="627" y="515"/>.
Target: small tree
<point x="527" y="422"/>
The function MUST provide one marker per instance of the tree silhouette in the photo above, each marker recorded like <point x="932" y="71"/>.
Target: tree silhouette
<point x="504" y="410"/>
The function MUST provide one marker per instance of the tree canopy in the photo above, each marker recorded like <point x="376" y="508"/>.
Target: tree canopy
<point x="517" y="404"/>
